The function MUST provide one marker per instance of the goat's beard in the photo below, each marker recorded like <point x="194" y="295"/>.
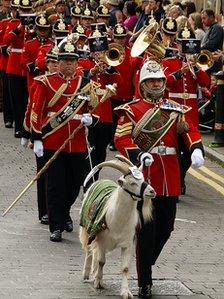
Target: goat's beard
<point x="147" y="210"/>
<point x="153" y="95"/>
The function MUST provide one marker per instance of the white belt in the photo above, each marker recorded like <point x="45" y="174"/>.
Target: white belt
<point x="163" y="150"/>
<point x="182" y="95"/>
<point x="76" y="116"/>
<point x="15" y="50"/>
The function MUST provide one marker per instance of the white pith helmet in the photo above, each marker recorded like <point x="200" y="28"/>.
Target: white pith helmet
<point x="151" y="70"/>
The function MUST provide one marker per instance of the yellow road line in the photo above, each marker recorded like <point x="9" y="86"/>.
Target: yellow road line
<point x="212" y="174"/>
<point x="209" y="182"/>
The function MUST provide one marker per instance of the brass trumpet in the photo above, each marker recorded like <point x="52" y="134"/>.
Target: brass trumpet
<point x="204" y="60"/>
<point x="115" y="55"/>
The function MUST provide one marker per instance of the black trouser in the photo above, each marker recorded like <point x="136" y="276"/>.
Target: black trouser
<point x="99" y="137"/>
<point x="64" y="179"/>
<point x="19" y="96"/>
<point x="41" y="189"/>
<point x="152" y="236"/>
<point x="6" y="102"/>
<point x="184" y="159"/>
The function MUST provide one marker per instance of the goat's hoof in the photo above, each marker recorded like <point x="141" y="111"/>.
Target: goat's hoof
<point x="85" y="278"/>
<point x="98" y="284"/>
<point x="126" y="294"/>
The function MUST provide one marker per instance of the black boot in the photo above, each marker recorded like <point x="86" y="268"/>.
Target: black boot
<point x="145" y="292"/>
<point x="56" y="236"/>
<point x="69" y="226"/>
<point x="44" y="219"/>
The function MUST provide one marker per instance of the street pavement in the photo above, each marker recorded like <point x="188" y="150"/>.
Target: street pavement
<point x="191" y="265"/>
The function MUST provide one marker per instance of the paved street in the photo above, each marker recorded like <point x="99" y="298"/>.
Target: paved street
<point x="190" y="267"/>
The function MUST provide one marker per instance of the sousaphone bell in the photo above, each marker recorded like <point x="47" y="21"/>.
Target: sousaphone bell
<point x="148" y="40"/>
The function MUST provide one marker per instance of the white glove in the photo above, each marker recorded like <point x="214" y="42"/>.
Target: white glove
<point x="24" y="142"/>
<point x="87" y="119"/>
<point x="197" y="159"/>
<point x="38" y="148"/>
<point x="146" y="159"/>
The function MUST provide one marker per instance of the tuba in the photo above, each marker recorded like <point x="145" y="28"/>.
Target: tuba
<point x="115" y="55"/>
<point x="204" y="60"/>
<point x="149" y="41"/>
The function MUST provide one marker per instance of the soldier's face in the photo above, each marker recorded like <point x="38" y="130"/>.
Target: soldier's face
<point x="52" y="66"/>
<point x="67" y="67"/>
<point x="155" y="83"/>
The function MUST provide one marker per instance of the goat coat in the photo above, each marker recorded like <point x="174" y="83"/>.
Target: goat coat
<point x="164" y="173"/>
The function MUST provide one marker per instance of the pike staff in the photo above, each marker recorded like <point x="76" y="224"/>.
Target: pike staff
<point x="110" y="90"/>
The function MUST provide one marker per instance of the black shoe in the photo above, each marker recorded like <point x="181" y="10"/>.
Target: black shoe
<point x="145" y="292"/>
<point x="18" y="134"/>
<point x="56" y="236"/>
<point x="69" y="226"/>
<point x="8" y="124"/>
<point x="44" y="219"/>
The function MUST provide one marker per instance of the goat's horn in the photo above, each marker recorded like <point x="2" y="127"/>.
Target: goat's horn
<point x="121" y="166"/>
<point x="124" y="159"/>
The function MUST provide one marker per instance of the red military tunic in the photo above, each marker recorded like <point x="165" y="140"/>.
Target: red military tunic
<point x="125" y="76"/>
<point x="164" y="173"/>
<point x="42" y="112"/>
<point x="40" y="61"/>
<point x="3" y="57"/>
<point x="184" y="90"/>
<point x="29" y="55"/>
<point x="15" y="41"/>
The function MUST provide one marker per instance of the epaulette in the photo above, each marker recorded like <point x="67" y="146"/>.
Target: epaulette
<point x="174" y="106"/>
<point x="42" y="78"/>
<point x="124" y="107"/>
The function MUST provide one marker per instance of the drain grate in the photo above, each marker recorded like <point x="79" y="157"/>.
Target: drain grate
<point x="160" y="287"/>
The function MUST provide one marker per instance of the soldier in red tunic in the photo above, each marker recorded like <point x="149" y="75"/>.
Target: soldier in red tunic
<point x="31" y="48"/>
<point x="60" y="103"/>
<point x="183" y="79"/>
<point x="14" y="38"/>
<point x="148" y="131"/>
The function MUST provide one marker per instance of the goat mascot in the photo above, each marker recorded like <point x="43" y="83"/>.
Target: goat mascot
<point x="109" y="217"/>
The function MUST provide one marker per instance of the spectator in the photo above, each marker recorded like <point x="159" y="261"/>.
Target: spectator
<point x="174" y="12"/>
<point x="129" y="12"/>
<point x="142" y="17"/>
<point x="196" y="24"/>
<point x="116" y="16"/>
<point x="189" y="8"/>
<point x="213" y="38"/>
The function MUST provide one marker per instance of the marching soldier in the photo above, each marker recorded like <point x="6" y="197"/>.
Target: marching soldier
<point x="14" y="38"/>
<point x="59" y="105"/>
<point x="52" y="67"/>
<point x="125" y="72"/>
<point x="31" y="48"/>
<point x="148" y="130"/>
<point x="183" y="78"/>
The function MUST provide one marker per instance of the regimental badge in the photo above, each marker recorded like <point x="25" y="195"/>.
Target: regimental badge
<point x="105" y="10"/>
<point x="120" y="29"/>
<point x="42" y="20"/>
<point x="69" y="48"/>
<point x="97" y="33"/>
<point x="186" y="33"/>
<point x="87" y="12"/>
<point x="153" y="67"/>
<point x="80" y="29"/>
<point x="55" y="50"/>
<point x="16" y="2"/>
<point x="61" y="25"/>
<point x="25" y="2"/>
<point x="77" y="10"/>
<point x="170" y="24"/>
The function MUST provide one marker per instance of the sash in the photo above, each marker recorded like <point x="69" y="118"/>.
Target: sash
<point x="60" y="118"/>
<point x="152" y="127"/>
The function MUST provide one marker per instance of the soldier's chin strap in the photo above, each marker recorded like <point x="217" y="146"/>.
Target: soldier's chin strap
<point x="135" y="196"/>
